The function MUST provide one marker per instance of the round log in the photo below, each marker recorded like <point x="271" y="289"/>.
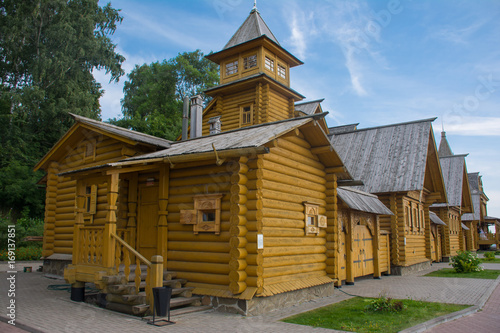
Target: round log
<point x="237" y="287"/>
<point x="237" y="264"/>
<point x="237" y="276"/>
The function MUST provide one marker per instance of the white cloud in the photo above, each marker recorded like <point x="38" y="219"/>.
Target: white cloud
<point x="472" y="126"/>
<point x="455" y="34"/>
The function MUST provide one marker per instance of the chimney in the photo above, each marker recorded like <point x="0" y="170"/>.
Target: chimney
<point x="215" y="125"/>
<point x="185" y="118"/>
<point x="196" y="116"/>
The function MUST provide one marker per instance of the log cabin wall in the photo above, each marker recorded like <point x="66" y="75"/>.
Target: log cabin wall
<point x="203" y="258"/>
<point x="414" y="229"/>
<point x="93" y="149"/>
<point x="291" y="176"/>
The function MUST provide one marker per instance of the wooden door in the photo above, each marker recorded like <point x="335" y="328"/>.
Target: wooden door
<point x="342" y="258"/>
<point x="362" y="251"/>
<point x="367" y="246"/>
<point x="433" y="247"/>
<point x="147" y="221"/>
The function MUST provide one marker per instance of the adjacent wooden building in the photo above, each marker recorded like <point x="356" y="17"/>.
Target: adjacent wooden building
<point x="245" y="210"/>
<point x="399" y="163"/>
<point x="459" y="200"/>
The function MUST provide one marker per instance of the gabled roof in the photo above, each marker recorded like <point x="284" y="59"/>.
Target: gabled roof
<point x="126" y="133"/>
<point x="444" y="146"/>
<point x="390" y="158"/>
<point x="455" y="179"/>
<point x="247" y="137"/>
<point x="253" y="27"/>
<point x="119" y="133"/>
<point x="362" y="201"/>
<point x="309" y="108"/>
<point x="476" y="198"/>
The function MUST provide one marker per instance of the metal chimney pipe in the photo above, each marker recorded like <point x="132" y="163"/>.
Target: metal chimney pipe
<point x="196" y="116"/>
<point x="185" y="118"/>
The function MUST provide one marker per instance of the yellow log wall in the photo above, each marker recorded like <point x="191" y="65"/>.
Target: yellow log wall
<point x="202" y="259"/>
<point x="287" y="250"/>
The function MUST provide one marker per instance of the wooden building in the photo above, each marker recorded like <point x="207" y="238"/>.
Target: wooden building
<point x="475" y="221"/>
<point x="244" y="211"/>
<point x="459" y="200"/>
<point x="399" y="163"/>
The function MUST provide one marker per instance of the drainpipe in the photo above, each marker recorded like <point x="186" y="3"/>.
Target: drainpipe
<point x="185" y="118"/>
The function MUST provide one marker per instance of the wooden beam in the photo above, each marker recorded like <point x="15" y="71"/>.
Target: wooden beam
<point x="321" y="149"/>
<point x="339" y="169"/>
<point x="120" y="170"/>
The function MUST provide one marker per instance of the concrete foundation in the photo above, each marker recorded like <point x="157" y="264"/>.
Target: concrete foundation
<point x="407" y="270"/>
<point x="262" y="305"/>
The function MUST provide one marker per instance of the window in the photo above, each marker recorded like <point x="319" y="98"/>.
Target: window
<point x="269" y="64"/>
<point x="281" y="71"/>
<point x="232" y="68"/>
<point x="246" y="115"/>
<point x="90" y="204"/>
<point x="205" y="217"/>
<point x="250" y="62"/>
<point x="313" y="221"/>
<point x="89" y="153"/>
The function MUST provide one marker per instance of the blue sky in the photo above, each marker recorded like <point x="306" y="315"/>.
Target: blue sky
<point x="374" y="62"/>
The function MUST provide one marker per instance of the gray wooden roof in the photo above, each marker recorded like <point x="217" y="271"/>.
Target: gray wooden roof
<point x="253" y="27"/>
<point x="246" y="137"/>
<point x="123" y="132"/>
<point x="444" y="146"/>
<point x="476" y="198"/>
<point x="435" y="219"/>
<point x="308" y="107"/>
<point x="343" y="129"/>
<point x="362" y="201"/>
<point x="464" y="227"/>
<point x="452" y="168"/>
<point x="388" y="158"/>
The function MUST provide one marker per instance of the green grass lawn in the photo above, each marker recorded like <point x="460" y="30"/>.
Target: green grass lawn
<point x="350" y="315"/>
<point x="450" y="273"/>
<point x="494" y="261"/>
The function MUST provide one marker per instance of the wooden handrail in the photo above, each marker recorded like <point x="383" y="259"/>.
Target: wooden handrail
<point x="131" y="249"/>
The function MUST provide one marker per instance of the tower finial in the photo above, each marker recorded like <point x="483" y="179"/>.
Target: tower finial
<point x="254" y="9"/>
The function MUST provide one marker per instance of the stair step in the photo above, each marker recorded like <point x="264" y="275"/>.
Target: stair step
<point x="181" y="301"/>
<point x="189" y="309"/>
<point x="141" y="297"/>
<point x="128" y="309"/>
<point x="121" y="278"/>
<point x="129" y="288"/>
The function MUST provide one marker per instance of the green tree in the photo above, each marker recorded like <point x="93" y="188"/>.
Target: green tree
<point x="48" y="50"/>
<point x="153" y="94"/>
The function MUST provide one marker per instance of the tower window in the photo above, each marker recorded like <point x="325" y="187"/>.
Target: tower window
<point x="246" y="115"/>
<point x="250" y="62"/>
<point x="281" y="71"/>
<point x="232" y="67"/>
<point x="269" y="64"/>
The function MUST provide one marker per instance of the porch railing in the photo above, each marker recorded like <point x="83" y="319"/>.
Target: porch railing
<point x="125" y="255"/>
<point x="91" y="249"/>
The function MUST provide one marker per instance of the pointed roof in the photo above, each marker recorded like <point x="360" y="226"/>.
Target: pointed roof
<point x="391" y="158"/>
<point x="474" y="181"/>
<point x="253" y="27"/>
<point x="309" y="108"/>
<point x="444" y="146"/>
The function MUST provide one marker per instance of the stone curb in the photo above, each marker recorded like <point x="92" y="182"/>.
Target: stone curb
<point x="455" y="315"/>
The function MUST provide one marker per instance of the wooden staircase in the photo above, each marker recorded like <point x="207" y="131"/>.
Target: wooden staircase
<point x="121" y="295"/>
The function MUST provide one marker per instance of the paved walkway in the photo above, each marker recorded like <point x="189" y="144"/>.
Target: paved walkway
<point x="44" y="310"/>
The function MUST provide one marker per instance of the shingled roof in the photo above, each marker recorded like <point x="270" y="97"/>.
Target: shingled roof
<point x="389" y="158"/>
<point x="309" y="108"/>
<point x="453" y="169"/>
<point x="444" y="146"/>
<point x="476" y="198"/>
<point x="253" y="27"/>
<point x="123" y="132"/>
<point x="362" y="201"/>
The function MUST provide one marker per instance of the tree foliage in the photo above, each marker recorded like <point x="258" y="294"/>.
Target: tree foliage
<point x="153" y="94"/>
<point x="48" y="50"/>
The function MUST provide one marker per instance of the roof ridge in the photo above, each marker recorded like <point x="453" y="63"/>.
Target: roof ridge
<point x="390" y="125"/>
<point x="309" y="102"/>
<point x="75" y="116"/>
<point x="456" y="155"/>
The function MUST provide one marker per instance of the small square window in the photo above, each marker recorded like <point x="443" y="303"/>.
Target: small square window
<point x="232" y="68"/>
<point x="313" y="221"/>
<point x="208" y="216"/>
<point x="282" y="71"/>
<point x="246" y="115"/>
<point x="250" y="62"/>
<point x="269" y="64"/>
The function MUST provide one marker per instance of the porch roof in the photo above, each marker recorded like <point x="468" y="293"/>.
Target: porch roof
<point x="464" y="227"/>
<point x="435" y="219"/>
<point x="362" y="201"/>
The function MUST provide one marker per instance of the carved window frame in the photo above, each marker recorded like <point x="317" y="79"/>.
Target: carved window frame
<point x="313" y="221"/>
<point x="205" y="205"/>
<point x="246" y="116"/>
<point x="90" y="204"/>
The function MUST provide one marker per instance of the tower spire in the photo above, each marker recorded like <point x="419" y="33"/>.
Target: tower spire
<point x="254" y="9"/>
